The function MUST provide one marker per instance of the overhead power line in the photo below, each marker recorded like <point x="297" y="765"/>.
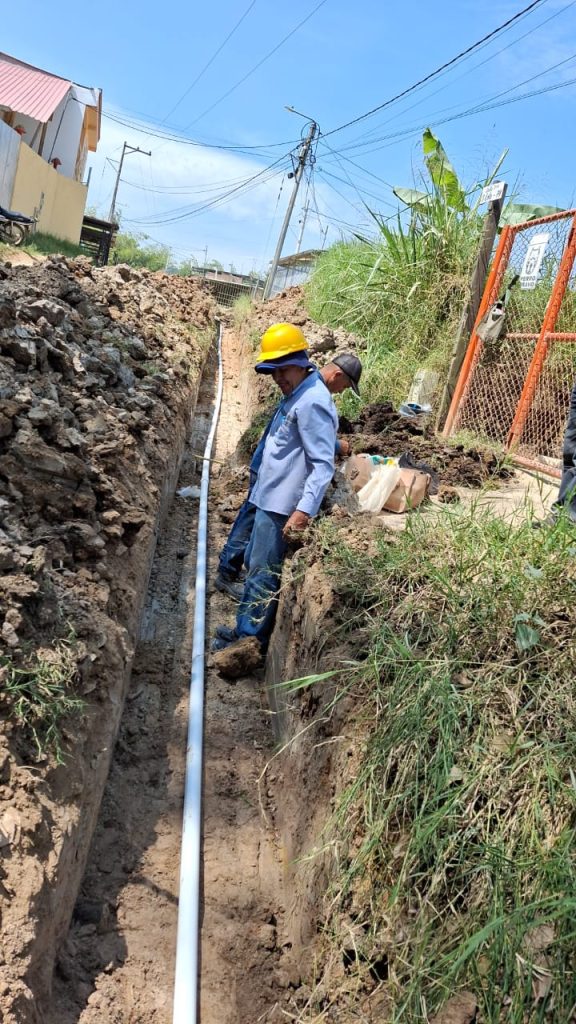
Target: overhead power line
<point x="372" y="132"/>
<point x="211" y="61"/>
<point x="166" y="136"/>
<point x="360" y="192"/>
<point x="490" y="103"/>
<point x="259" y="64"/>
<point x="179" y="190"/>
<point x="439" y="70"/>
<point x="185" y="212"/>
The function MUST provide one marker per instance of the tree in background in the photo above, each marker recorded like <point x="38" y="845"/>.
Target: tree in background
<point x="135" y="250"/>
<point x="187" y="267"/>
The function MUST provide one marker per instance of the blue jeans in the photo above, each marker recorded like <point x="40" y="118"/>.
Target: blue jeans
<point x="233" y="554"/>
<point x="567" y="494"/>
<point x="264" y="558"/>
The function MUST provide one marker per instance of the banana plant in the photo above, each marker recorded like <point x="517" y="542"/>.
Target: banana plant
<point x="447" y="188"/>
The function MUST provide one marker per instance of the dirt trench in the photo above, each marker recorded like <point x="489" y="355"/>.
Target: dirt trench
<point x="117" y="963"/>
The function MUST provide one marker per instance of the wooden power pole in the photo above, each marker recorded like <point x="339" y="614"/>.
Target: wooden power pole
<point x="470" y="311"/>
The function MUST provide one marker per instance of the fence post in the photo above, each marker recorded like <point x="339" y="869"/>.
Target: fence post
<point x="470" y="311"/>
<point x="541" y="348"/>
<point x="473" y="351"/>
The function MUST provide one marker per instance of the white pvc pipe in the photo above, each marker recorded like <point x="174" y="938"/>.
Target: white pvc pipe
<point x="186" y="981"/>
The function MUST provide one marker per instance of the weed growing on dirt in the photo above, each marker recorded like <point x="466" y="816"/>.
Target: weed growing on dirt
<point x="251" y="436"/>
<point x="42" y="243"/>
<point x="38" y="694"/>
<point x="241" y="311"/>
<point x="455" y="838"/>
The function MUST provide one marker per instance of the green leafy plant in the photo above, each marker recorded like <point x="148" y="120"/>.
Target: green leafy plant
<point x="39" y="696"/>
<point x="137" y="251"/>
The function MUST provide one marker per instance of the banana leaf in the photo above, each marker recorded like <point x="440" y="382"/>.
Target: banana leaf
<point x="412" y="197"/>
<point x="442" y="173"/>
<point x="519" y="213"/>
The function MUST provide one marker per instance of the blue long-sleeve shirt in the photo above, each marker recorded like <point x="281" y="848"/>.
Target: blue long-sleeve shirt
<point x="295" y="458"/>
<point x="256" y="459"/>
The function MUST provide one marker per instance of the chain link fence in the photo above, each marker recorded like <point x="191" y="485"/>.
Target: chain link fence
<point x="515" y="391"/>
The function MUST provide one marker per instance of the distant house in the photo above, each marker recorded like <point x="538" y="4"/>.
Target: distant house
<point x="48" y="125"/>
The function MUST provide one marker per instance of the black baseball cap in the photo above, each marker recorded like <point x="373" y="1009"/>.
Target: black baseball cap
<point x="351" y="366"/>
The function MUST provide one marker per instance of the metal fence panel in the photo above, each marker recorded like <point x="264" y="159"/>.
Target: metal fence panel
<point x="516" y="391"/>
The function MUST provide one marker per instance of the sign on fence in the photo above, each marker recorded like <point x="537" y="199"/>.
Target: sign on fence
<point x="533" y="261"/>
<point x="490" y="193"/>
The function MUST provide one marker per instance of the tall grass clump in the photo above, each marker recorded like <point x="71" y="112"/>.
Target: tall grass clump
<point x="43" y="244"/>
<point x="402" y="291"/>
<point x="455" y="838"/>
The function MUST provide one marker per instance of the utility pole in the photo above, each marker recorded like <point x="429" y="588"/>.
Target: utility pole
<point x="302" y="226"/>
<point x="302" y="160"/>
<point x="472" y="304"/>
<point x="125" y="149"/>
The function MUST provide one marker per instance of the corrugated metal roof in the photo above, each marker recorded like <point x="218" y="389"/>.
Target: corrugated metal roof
<point x="30" y="91"/>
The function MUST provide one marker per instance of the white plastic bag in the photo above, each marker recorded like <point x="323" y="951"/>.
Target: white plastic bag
<point x="189" y="492"/>
<point x="372" y="496"/>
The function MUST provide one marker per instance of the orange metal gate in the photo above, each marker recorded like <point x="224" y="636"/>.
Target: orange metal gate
<point x="516" y="392"/>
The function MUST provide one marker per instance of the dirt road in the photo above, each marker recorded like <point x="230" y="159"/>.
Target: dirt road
<point x="118" y="961"/>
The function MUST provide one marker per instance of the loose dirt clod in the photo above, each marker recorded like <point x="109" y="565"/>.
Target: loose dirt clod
<point x="380" y="429"/>
<point x="239" y="659"/>
<point x="462" y="1009"/>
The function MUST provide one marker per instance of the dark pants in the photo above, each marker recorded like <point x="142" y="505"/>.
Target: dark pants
<point x="264" y="558"/>
<point x="567" y="494"/>
<point x="233" y="555"/>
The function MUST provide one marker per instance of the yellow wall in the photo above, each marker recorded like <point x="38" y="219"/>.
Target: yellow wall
<point x="60" y="200"/>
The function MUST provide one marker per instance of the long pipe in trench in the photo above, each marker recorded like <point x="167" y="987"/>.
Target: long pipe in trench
<point x="186" y="979"/>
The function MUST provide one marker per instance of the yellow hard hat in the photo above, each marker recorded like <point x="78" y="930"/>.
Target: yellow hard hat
<point x="281" y="340"/>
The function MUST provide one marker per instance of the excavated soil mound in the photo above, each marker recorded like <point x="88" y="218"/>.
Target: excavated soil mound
<point x="380" y="430"/>
<point x="99" y="371"/>
<point x="288" y="306"/>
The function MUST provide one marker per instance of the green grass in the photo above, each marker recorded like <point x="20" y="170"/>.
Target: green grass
<point x="241" y="311"/>
<point x="39" y="695"/>
<point x="402" y="291"/>
<point x="45" y="244"/>
<point x="454" y="838"/>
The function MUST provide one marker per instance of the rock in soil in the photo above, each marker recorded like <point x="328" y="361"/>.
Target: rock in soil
<point x="239" y="659"/>
<point x="461" y="1009"/>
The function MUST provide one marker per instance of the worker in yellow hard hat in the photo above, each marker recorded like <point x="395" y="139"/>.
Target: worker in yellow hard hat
<point x="342" y="372"/>
<point x="296" y="464"/>
<point x="280" y="340"/>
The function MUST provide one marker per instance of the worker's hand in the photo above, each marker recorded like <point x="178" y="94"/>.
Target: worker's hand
<point x="344" y="450"/>
<point x="297" y="522"/>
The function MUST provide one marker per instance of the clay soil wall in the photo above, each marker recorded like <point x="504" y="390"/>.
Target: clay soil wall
<point x="99" y="375"/>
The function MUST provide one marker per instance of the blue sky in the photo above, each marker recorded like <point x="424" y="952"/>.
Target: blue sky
<point x="345" y="59"/>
